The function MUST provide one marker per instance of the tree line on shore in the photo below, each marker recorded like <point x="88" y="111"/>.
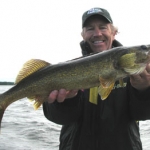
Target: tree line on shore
<point x="6" y="83"/>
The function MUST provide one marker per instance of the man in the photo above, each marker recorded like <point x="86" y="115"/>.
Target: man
<point x="112" y="123"/>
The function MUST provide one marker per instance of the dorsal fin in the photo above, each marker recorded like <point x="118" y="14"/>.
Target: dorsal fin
<point x="30" y="67"/>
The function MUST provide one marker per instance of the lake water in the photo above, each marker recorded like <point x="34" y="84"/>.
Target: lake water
<point x="23" y="128"/>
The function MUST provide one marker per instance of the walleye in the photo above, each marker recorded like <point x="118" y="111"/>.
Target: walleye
<point x="38" y="78"/>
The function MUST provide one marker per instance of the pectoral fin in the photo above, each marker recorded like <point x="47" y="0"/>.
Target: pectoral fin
<point x="105" y="91"/>
<point x="106" y="82"/>
<point x="106" y="85"/>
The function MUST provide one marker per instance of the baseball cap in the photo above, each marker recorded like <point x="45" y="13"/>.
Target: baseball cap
<point x="96" y="11"/>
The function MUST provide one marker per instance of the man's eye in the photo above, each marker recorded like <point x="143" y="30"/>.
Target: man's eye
<point x="103" y="28"/>
<point x="89" y="29"/>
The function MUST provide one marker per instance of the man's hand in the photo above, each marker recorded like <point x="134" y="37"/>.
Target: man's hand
<point x="61" y="95"/>
<point x="141" y="81"/>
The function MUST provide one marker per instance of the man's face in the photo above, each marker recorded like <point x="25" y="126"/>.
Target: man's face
<point x="98" y="33"/>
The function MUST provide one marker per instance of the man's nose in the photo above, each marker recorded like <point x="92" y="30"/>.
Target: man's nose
<point x="97" y="32"/>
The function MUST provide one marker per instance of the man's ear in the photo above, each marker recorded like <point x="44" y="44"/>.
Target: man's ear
<point x="115" y="33"/>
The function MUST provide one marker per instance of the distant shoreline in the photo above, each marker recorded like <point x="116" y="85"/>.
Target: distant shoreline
<point x="6" y="83"/>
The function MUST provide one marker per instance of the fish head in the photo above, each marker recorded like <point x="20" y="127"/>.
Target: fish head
<point x="143" y="54"/>
<point x="134" y="59"/>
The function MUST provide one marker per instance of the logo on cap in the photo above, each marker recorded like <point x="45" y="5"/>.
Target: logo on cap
<point x="94" y="10"/>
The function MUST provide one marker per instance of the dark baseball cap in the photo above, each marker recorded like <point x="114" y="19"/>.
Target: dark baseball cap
<point x="96" y="11"/>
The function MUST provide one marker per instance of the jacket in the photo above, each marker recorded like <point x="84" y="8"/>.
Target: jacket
<point x="112" y="124"/>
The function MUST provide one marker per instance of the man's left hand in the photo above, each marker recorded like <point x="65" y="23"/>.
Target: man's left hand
<point x="141" y="81"/>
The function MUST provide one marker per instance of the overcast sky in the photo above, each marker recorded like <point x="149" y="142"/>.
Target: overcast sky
<point x="51" y="29"/>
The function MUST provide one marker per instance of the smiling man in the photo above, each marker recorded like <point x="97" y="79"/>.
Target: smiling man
<point x="98" y="30"/>
<point x="110" y="124"/>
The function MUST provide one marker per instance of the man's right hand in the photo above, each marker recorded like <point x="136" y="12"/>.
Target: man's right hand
<point x="61" y="95"/>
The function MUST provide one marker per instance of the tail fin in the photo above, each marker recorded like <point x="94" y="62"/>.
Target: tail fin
<point x="2" y="110"/>
<point x="3" y="107"/>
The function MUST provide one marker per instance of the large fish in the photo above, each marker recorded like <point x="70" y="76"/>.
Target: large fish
<point x="38" y="78"/>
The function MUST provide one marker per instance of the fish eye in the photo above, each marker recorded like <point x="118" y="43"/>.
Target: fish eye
<point x="144" y="47"/>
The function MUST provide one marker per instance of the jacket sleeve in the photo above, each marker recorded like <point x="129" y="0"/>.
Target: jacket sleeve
<point x="65" y="112"/>
<point x="139" y="103"/>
